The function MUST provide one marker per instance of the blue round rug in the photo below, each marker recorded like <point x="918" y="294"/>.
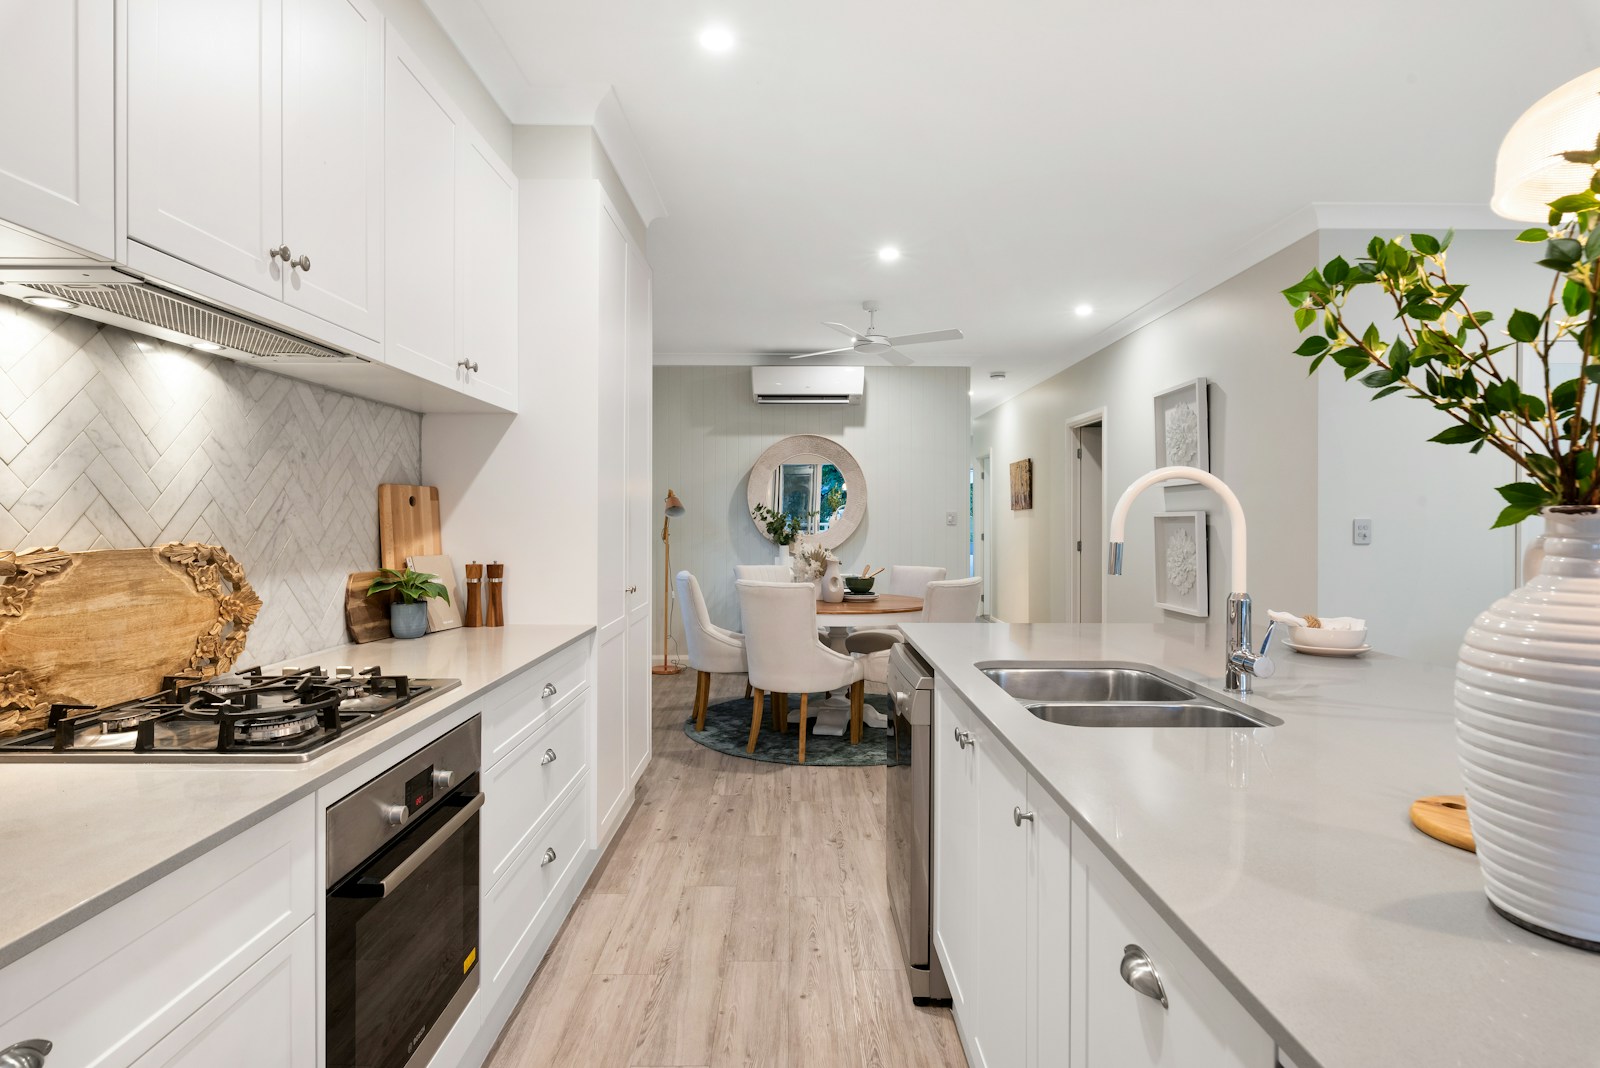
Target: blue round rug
<point x="728" y="731"/>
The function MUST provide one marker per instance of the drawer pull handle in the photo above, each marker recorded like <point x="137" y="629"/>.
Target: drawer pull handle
<point x="1017" y="816"/>
<point x="548" y="691"/>
<point x="29" y="1053"/>
<point x="549" y="757"/>
<point x="549" y="857"/>
<point x="1139" y="972"/>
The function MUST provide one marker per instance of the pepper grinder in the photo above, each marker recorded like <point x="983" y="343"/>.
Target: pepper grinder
<point x="495" y="614"/>
<point x="474" y="615"/>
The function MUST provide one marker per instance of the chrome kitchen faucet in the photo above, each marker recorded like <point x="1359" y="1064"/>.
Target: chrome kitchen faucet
<point x="1244" y="661"/>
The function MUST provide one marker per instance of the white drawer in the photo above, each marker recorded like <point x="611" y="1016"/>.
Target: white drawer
<point x="520" y="705"/>
<point x="108" y="990"/>
<point x="516" y="906"/>
<point x="523" y="787"/>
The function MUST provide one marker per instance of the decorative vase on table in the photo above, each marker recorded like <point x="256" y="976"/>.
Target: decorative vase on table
<point x="832" y="583"/>
<point x="1528" y="726"/>
<point x="408" y="620"/>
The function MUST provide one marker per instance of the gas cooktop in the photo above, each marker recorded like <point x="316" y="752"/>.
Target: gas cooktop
<point x="292" y="715"/>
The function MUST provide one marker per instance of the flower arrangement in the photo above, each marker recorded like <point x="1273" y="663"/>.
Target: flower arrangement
<point x="810" y="561"/>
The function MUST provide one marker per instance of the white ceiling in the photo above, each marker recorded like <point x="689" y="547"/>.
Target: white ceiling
<point x="1026" y="155"/>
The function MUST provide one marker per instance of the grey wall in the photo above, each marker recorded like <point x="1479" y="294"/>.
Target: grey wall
<point x="111" y="440"/>
<point x="1263" y="444"/>
<point x="910" y="434"/>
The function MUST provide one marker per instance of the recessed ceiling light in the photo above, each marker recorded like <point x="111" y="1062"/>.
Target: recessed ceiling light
<point x="206" y="346"/>
<point x="888" y="254"/>
<point x="997" y="375"/>
<point x="1083" y="310"/>
<point x="53" y="303"/>
<point x="717" y="39"/>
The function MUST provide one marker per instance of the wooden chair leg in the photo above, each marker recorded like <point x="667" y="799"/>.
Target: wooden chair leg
<point x="858" y="698"/>
<point x="755" y="722"/>
<point x="702" y="697"/>
<point x="780" y="712"/>
<point x="747" y="690"/>
<point x="803" y="727"/>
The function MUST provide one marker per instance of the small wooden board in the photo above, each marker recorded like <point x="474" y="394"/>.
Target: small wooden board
<point x="1444" y="817"/>
<point x="366" y="618"/>
<point x="408" y="523"/>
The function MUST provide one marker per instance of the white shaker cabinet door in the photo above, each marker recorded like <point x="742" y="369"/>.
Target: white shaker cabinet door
<point x="57" y="137"/>
<point x="1005" y="837"/>
<point x="486" y="275"/>
<point x="1050" y="947"/>
<point x="205" y="135"/>
<point x="419" y="223"/>
<point x="955" y="851"/>
<point x="333" y="161"/>
<point x="1126" y="1026"/>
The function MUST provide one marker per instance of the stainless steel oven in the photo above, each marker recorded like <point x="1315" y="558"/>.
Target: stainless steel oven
<point x="909" y="810"/>
<point x="402" y="931"/>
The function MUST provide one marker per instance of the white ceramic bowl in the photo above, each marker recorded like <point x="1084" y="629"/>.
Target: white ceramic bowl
<point x="1323" y="638"/>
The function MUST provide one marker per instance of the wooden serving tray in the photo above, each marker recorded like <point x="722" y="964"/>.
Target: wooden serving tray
<point x="95" y="628"/>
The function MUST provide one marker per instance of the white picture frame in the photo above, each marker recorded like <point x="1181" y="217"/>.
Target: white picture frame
<point x="1183" y="428"/>
<point x="1182" y="571"/>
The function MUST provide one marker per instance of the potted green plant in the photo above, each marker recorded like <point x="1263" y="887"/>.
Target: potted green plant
<point x="780" y="527"/>
<point x="408" y="617"/>
<point x="1528" y="678"/>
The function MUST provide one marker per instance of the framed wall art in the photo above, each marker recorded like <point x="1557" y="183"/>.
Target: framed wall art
<point x="1183" y="427"/>
<point x="1182" y="570"/>
<point x="1021" y="485"/>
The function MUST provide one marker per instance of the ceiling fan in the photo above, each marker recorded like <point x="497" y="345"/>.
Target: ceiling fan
<point x="874" y="342"/>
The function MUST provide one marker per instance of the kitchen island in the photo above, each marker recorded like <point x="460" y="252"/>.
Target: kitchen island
<point x="1282" y="857"/>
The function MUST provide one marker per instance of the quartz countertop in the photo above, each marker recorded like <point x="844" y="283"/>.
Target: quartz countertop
<point x="78" y="837"/>
<point x="1285" y="856"/>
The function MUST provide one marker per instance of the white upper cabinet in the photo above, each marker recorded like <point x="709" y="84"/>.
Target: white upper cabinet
<point x="57" y="138"/>
<point x="205" y="135"/>
<point x="486" y="274"/>
<point x="333" y="160"/>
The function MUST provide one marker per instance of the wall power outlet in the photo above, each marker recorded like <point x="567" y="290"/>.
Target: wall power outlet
<point x="1361" y="532"/>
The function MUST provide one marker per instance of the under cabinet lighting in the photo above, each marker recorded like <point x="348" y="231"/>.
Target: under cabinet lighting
<point x="888" y="254"/>
<point x="717" y="39"/>
<point x="53" y="303"/>
<point x="206" y="346"/>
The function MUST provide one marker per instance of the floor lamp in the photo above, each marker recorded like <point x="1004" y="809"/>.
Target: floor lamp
<point x="672" y="507"/>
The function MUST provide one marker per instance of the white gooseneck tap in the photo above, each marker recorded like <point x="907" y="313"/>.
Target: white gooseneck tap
<point x="1244" y="661"/>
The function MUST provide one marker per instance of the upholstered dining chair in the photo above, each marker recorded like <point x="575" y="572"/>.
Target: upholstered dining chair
<point x="943" y="601"/>
<point x="910" y="581"/>
<point x="712" y="650"/>
<point x="763" y="572"/>
<point x="785" y="657"/>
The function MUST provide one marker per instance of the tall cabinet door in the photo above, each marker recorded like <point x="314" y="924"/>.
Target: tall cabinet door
<point x="56" y="168"/>
<point x="333" y="160"/>
<point x="205" y="134"/>
<point x="614" y="684"/>
<point x="419" y="221"/>
<point x="644" y="511"/>
<point x="486" y="274"/>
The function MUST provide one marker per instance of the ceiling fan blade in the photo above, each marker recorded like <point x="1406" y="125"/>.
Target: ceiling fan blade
<point x="824" y="352"/>
<point x="896" y="357"/>
<point x="845" y="330"/>
<point x="932" y="335"/>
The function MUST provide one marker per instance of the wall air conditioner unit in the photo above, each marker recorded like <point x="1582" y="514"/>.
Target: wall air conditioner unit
<point x="807" y="385"/>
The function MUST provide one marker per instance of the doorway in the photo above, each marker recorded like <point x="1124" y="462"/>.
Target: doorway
<point x="1087" y="492"/>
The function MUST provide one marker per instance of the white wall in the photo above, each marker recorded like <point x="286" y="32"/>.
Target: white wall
<point x="910" y="434"/>
<point x="1263" y="414"/>
<point x="1433" y="564"/>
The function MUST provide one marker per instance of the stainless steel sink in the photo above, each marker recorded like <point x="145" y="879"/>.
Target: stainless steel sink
<point x="1084" y="684"/>
<point x="1197" y="713"/>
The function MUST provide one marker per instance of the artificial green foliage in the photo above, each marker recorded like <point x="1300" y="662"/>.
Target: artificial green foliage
<point x="412" y="586"/>
<point x="780" y="527"/>
<point x="1447" y="354"/>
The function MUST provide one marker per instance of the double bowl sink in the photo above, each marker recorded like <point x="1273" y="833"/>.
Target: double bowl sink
<point x="1117" y="695"/>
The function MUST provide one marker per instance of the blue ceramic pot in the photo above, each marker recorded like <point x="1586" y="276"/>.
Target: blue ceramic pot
<point x="408" y="620"/>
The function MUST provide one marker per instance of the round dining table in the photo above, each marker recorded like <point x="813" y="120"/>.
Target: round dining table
<point x="885" y="608"/>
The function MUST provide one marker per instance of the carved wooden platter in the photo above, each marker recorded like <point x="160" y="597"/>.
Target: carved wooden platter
<point x="95" y="628"/>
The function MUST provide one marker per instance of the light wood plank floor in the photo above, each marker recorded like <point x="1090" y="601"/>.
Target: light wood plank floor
<point x="740" y="918"/>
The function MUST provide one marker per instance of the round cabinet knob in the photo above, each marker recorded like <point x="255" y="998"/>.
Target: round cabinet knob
<point x="549" y="858"/>
<point x="470" y="365"/>
<point x="549" y="690"/>
<point x="1139" y="972"/>
<point x="29" y="1053"/>
<point x="395" y="815"/>
<point x="303" y="263"/>
<point x="631" y="589"/>
<point x="549" y="757"/>
<point x="964" y="738"/>
<point x="1018" y="816"/>
<point x="279" y="253"/>
<point x="443" y="780"/>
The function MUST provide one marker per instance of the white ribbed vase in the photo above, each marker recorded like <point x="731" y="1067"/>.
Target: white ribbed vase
<point x="1528" y="726"/>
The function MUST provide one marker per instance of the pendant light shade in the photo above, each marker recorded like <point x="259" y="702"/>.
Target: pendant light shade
<point x="1529" y="172"/>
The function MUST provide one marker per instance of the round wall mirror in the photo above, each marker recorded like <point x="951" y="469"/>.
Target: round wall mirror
<point x="814" y="479"/>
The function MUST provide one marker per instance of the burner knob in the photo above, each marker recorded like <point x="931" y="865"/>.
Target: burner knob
<point x="442" y="780"/>
<point x="394" y="815"/>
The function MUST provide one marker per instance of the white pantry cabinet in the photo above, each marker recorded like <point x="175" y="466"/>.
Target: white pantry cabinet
<point x="255" y="147"/>
<point x="58" y="137"/>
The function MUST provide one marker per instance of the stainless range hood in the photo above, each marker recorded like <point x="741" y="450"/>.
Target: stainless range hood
<point x="113" y="296"/>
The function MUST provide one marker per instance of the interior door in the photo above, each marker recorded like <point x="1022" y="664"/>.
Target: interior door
<point x="205" y="135"/>
<point x="615" y="684"/>
<point x="1091" y="536"/>
<point x="56" y="167"/>
<point x="644" y="511"/>
<point x="333" y="160"/>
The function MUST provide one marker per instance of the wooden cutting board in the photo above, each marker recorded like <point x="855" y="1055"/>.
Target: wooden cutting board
<point x="366" y="618"/>
<point x="95" y="628"/>
<point x="1444" y="817"/>
<point x="408" y="523"/>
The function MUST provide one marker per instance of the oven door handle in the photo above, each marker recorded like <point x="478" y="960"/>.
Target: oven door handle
<point x="403" y="871"/>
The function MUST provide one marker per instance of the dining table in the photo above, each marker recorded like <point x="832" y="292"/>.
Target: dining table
<point x="882" y="609"/>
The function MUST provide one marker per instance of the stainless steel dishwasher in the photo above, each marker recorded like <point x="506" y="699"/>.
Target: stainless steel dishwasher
<point x="909" y="812"/>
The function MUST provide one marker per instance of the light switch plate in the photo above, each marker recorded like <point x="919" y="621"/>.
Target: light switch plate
<point x="1361" y="532"/>
<point x="949" y="519"/>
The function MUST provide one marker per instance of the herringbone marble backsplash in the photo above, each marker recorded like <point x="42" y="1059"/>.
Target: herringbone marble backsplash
<point x="111" y="440"/>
